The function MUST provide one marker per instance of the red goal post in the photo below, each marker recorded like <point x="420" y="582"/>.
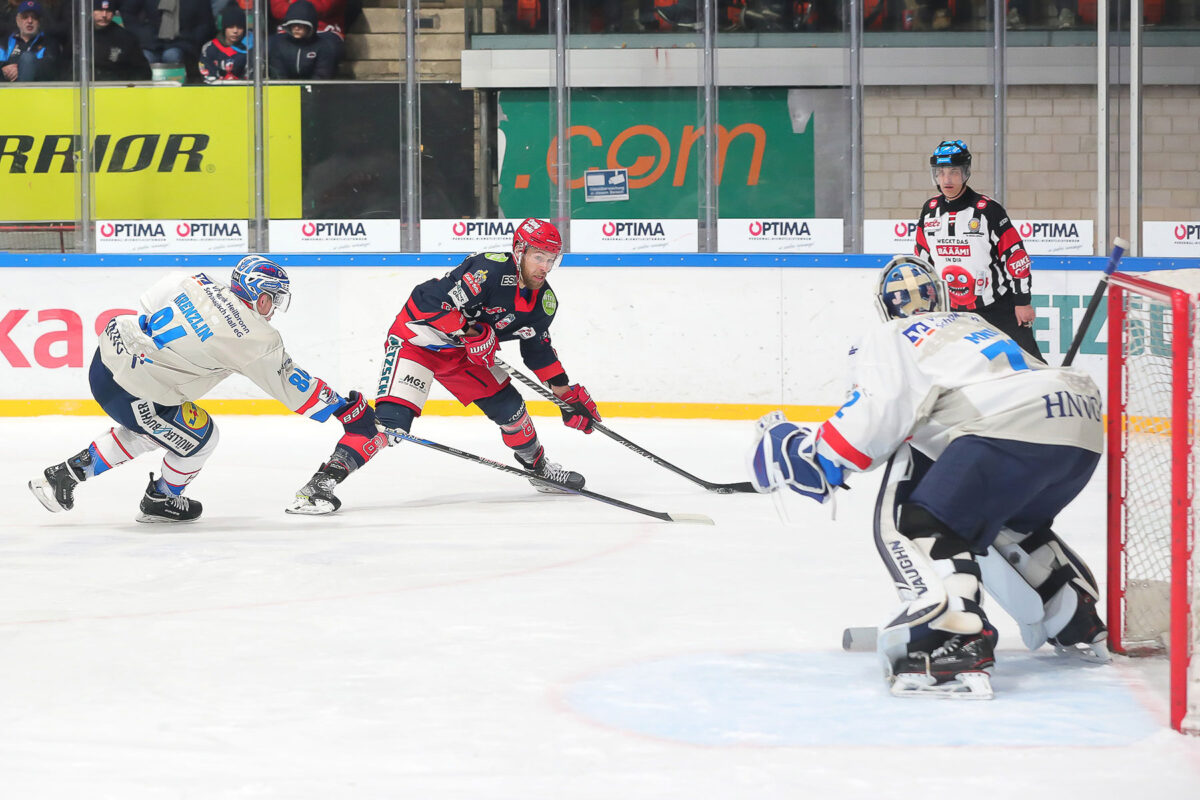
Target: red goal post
<point x="1153" y="452"/>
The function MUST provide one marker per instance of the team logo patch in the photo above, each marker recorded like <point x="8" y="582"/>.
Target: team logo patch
<point x="917" y="333"/>
<point x="192" y="416"/>
<point x="549" y="303"/>
<point x="973" y="225"/>
<point x="508" y="319"/>
<point x="982" y="204"/>
<point x="525" y="333"/>
<point x="469" y="280"/>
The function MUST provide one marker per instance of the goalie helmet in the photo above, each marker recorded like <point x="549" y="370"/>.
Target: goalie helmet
<point x="907" y="286"/>
<point x="539" y="234"/>
<point x="255" y="275"/>
<point x="950" y="154"/>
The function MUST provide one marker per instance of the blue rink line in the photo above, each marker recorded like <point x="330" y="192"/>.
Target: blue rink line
<point x="450" y="260"/>
<point x="824" y="699"/>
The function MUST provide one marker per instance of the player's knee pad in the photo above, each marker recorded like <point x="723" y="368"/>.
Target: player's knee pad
<point x="505" y="407"/>
<point x="179" y="470"/>
<point x="395" y="416"/>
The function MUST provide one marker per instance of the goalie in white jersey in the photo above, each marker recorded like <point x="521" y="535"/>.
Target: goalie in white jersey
<point x="983" y="446"/>
<point x="150" y="368"/>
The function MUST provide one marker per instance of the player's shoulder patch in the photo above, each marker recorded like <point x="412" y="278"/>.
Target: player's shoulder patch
<point x="932" y="203"/>
<point x="983" y="202"/>
<point x="549" y="302"/>
<point x="496" y="256"/>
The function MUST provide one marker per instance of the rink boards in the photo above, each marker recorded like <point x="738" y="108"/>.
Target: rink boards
<point x="710" y="336"/>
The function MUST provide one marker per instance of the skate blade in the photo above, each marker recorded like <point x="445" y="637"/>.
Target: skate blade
<point x="1094" y="653"/>
<point x="310" y="508"/>
<point x="44" y="493"/>
<point x="965" y="686"/>
<point x="149" y="519"/>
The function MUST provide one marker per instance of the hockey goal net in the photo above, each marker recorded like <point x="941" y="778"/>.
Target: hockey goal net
<point x="1153" y="450"/>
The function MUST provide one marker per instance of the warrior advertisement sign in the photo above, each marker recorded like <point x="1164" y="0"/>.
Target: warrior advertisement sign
<point x="181" y="152"/>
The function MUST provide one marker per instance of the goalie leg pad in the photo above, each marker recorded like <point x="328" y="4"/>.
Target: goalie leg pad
<point x="1065" y="587"/>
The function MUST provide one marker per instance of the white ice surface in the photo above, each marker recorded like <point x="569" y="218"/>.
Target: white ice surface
<point x="453" y="634"/>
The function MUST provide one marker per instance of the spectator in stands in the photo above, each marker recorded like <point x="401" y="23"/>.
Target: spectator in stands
<point x="331" y="21"/>
<point x="227" y="56"/>
<point x="940" y="15"/>
<point x="298" y="53"/>
<point x="56" y="20"/>
<point x="29" y="54"/>
<point x="171" y="31"/>
<point x="117" y="55"/>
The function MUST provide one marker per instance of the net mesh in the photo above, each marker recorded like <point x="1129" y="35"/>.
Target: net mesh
<point x="1149" y="384"/>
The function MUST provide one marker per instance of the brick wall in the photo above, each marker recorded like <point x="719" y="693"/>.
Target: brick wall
<point x="1051" y="149"/>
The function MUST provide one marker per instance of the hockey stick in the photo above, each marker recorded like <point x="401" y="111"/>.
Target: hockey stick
<point x="720" y="488"/>
<point x="487" y="462"/>
<point x="1119" y="248"/>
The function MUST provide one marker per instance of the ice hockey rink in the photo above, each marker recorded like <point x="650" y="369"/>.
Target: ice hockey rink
<point x="451" y="633"/>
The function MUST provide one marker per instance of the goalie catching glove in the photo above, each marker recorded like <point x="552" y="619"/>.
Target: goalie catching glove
<point x="784" y="453"/>
<point x="582" y="414"/>
<point x="481" y="346"/>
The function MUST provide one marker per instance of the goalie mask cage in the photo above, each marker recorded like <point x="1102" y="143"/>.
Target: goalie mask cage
<point x="1153" y="574"/>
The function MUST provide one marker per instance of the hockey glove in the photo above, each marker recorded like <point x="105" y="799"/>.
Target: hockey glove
<point x="481" y="347"/>
<point x="357" y="416"/>
<point x="582" y="414"/>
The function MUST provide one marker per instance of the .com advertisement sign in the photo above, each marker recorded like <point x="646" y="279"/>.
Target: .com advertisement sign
<point x="172" y="236"/>
<point x="467" y="235"/>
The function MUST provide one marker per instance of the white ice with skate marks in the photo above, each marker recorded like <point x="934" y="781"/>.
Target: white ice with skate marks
<point x="452" y="633"/>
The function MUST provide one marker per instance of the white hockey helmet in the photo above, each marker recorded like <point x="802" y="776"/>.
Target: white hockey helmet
<point x="909" y="285"/>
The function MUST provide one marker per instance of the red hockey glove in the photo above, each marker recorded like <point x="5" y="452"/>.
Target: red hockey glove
<point x="481" y="347"/>
<point x="583" y="411"/>
<point x="357" y="416"/>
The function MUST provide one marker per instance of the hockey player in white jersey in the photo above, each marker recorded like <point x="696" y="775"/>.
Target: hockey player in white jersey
<point x="983" y="446"/>
<point x="151" y="368"/>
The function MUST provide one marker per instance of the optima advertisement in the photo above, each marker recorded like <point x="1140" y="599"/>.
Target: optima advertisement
<point x="162" y="152"/>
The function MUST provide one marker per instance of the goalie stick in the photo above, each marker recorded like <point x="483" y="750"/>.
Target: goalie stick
<point x="719" y="488"/>
<point x="487" y="462"/>
<point x="1119" y="248"/>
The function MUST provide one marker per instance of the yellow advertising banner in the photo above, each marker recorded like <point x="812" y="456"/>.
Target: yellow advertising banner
<point x="158" y="152"/>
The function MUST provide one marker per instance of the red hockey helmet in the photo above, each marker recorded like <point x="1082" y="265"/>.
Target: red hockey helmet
<point x="537" y="233"/>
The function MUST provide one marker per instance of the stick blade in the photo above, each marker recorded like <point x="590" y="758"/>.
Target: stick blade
<point x="732" y="488"/>
<point x="695" y="519"/>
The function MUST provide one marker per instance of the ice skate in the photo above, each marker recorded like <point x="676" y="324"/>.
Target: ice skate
<point x="56" y="489"/>
<point x="958" y="669"/>
<point x="1085" y="636"/>
<point x="544" y="468"/>
<point x="157" y="506"/>
<point x="316" y="497"/>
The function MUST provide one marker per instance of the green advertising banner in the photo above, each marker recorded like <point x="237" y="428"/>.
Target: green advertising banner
<point x="765" y="166"/>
